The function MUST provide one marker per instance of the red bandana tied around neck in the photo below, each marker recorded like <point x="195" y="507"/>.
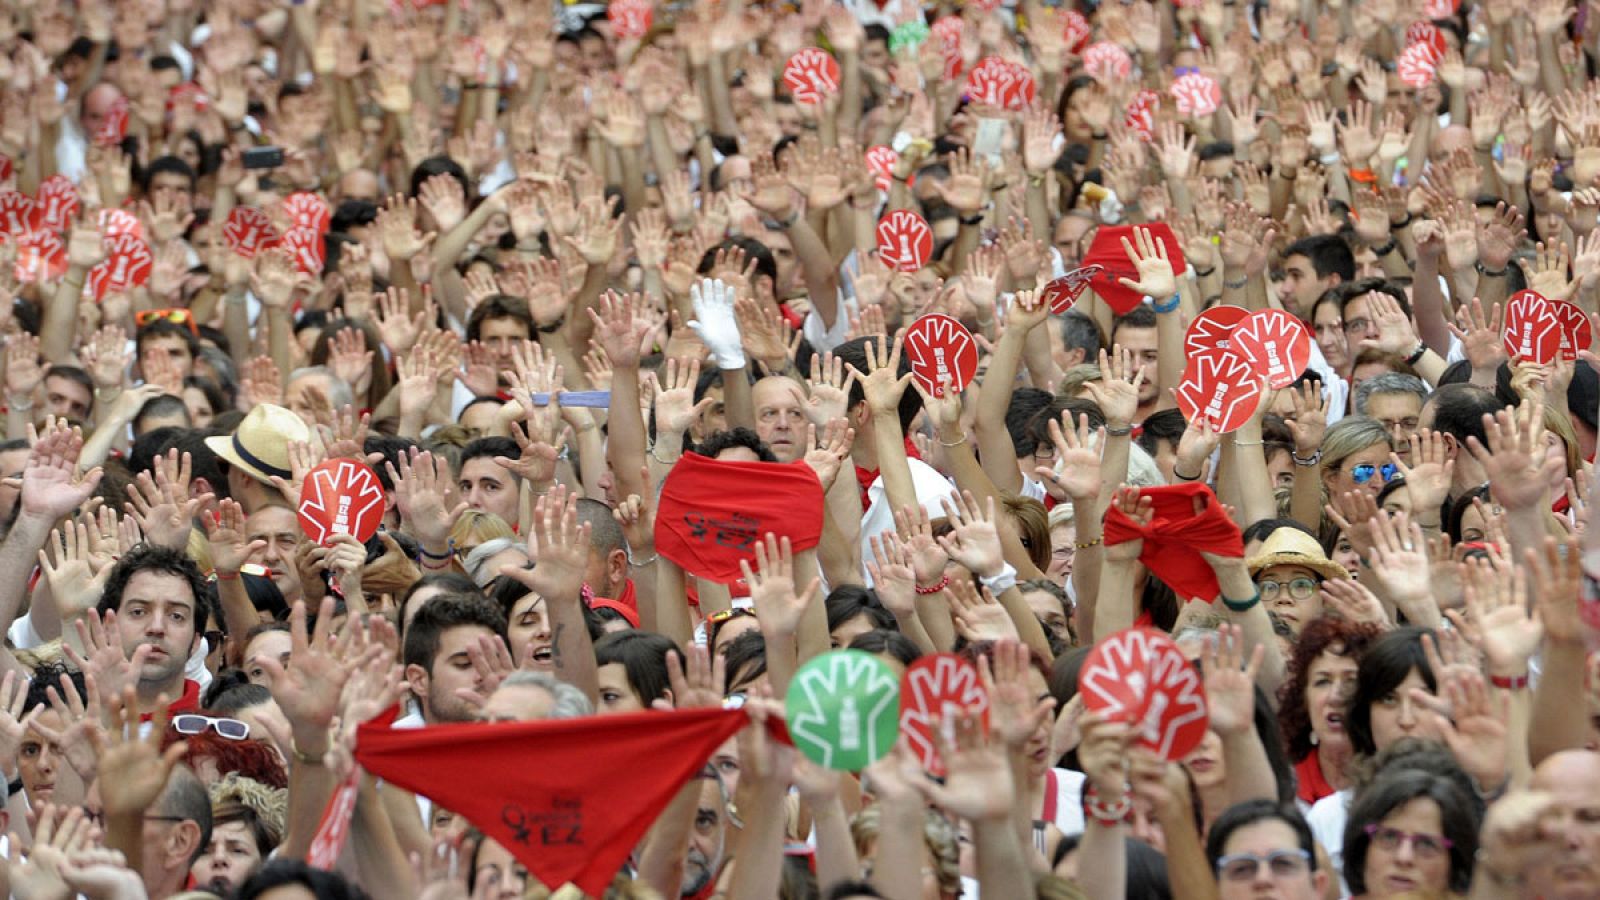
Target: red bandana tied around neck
<point x="569" y="798"/>
<point x="713" y="511"/>
<point x="865" y="477"/>
<point x="1176" y="536"/>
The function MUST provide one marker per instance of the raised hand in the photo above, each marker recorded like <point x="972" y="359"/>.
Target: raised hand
<point x="1117" y="391"/>
<point x="620" y="328"/>
<point x="715" y="322"/>
<point x="893" y="577"/>
<point x="978" y="785"/>
<point x="1141" y="510"/>
<point x="676" y="408"/>
<point x="829" y="389"/>
<point x="1510" y="632"/>
<point x="1014" y="710"/>
<point x="779" y="606"/>
<point x="1230" y="681"/>
<point x="827" y="457"/>
<point x="1076" y="473"/>
<point x="558" y="546"/>
<point x="1149" y="258"/>
<point x="162" y="505"/>
<point x="974" y="541"/>
<point x="881" y="384"/>
<point x="422" y="494"/>
<point x="1429" y="473"/>
<point x="51" y="485"/>
<point x="308" y="689"/>
<point x="82" y="723"/>
<point x="915" y="530"/>
<point x="74" y="584"/>
<point x="1515" y="461"/>
<point x="134" y="769"/>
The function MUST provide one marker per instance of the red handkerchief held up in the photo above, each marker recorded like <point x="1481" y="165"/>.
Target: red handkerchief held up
<point x="712" y="512"/>
<point x="1107" y="251"/>
<point x="567" y="797"/>
<point x="1177" y="536"/>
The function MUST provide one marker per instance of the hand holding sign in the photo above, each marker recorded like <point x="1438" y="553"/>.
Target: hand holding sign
<point x="341" y="496"/>
<point x="1107" y="61"/>
<point x="1416" y="65"/>
<point x="248" y="231"/>
<point x="1062" y="292"/>
<point x="1230" y="681"/>
<point x="1533" y="332"/>
<point x="1276" y="343"/>
<point x="630" y="19"/>
<point x="941" y="351"/>
<point x="933" y="692"/>
<point x="1576" y="332"/>
<point x="905" y="242"/>
<point x="812" y="75"/>
<point x="1221" y="386"/>
<point x="1140" y="677"/>
<point x="1197" y="95"/>
<point x="843" y="709"/>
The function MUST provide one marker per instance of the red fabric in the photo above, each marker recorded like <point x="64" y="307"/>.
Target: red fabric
<point x="865" y="477"/>
<point x="570" y="798"/>
<point x="1106" y="251"/>
<point x="1310" y="786"/>
<point x="712" y="512"/>
<point x="1176" y="536"/>
<point x="188" y="702"/>
<point x="629" y="614"/>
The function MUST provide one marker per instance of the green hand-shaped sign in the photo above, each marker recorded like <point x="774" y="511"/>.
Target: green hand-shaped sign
<point x="844" y="709"/>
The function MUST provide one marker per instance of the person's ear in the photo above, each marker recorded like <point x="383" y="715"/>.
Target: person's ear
<point x="182" y="843"/>
<point x="1452" y="447"/>
<point x="1319" y="882"/>
<point x="417" y="679"/>
<point x="617" y="566"/>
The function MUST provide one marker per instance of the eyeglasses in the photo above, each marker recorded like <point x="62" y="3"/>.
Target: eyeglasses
<point x="177" y="316"/>
<point x="1425" y="846"/>
<point x="1299" y="588"/>
<point x="232" y="729"/>
<point x="1363" y="473"/>
<point x="1281" y="863"/>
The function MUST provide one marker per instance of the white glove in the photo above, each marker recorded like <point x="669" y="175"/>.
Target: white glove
<point x="714" y="322"/>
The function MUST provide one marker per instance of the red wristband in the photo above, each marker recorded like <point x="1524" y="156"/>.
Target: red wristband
<point x="935" y="588"/>
<point x="1517" y="683"/>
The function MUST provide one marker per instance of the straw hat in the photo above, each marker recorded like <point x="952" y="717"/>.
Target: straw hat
<point x="1293" y="547"/>
<point x="260" y="445"/>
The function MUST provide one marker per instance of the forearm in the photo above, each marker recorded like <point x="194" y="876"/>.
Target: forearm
<point x="897" y="861"/>
<point x="661" y="862"/>
<point x="1042" y="370"/>
<point x="1553" y="727"/>
<point x="783" y="657"/>
<point x="448" y="248"/>
<point x="1107" y="877"/>
<point x="1169" y="359"/>
<point x="571" y="652"/>
<point x="1305" y="498"/>
<point x="998" y="454"/>
<point x="1117" y="607"/>
<point x="760" y="852"/>
<point x="61" y="317"/>
<point x="19" y="553"/>
<point x="236" y="324"/>
<point x="1249" y="773"/>
<point x="1188" y="870"/>
<point x="280" y="335"/>
<point x="1237" y="587"/>
<point x="669" y="607"/>
<point x="98" y="445"/>
<point x="893" y="466"/>
<point x="375" y="847"/>
<point x="822" y="276"/>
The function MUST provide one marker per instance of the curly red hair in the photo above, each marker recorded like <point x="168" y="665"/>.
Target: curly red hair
<point x="250" y="758"/>
<point x="1320" y="635"/>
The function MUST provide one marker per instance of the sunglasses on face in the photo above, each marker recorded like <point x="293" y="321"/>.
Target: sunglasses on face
<point x="190" y="723"/>
<point x="1363" y="473"/>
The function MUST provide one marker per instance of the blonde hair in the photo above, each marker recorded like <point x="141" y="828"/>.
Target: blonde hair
<point x="938" y="836"/>
<point x="476" y="527"/>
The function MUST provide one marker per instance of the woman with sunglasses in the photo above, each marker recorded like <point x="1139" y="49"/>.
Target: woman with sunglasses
<point x="1355" y="456"/>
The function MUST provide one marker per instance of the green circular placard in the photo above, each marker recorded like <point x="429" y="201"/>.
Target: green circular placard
<point x="844" y="709"/>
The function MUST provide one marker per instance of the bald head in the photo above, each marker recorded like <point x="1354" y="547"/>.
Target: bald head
<point x="1572" y="871"/>
<point x="779" y="402"/>
<point x="1450" y="139"/>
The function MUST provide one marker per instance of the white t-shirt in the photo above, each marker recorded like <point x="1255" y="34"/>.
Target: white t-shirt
<point x="931" y="487"/>
<point x="1327" y="820"/>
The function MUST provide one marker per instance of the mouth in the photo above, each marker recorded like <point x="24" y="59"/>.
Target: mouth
<point x="1399" y="883"/>
<point x="1334" y="721"/>
<point x="1201" y="765"/>
<point x="542" y="655"/>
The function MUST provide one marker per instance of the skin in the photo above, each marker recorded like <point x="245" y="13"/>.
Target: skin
<point x="267" y="645"/>
<point x="301" y="395"/>
<point x="67" y="398"/>
<point x="1300" y="286"/>
<point x="1403" y="869"/>
<point x="1397" y="716"/>
<point x="1330" y="680"/>
<point x="489" y="488"/>
<point x="480" y="417"/>
<point x="1206" y="764"/>
<point x="1329" y="329"/>
<point x="157" y="609"/>
<point x="780" y="418"/>
<point x="849" y="629"/>
<point x="1295" y="612"/>
<point x="1399" y="414"/>
<point x="11" y="463"/>
<point x="200" y="411"/>
<point x="1572" y="779"/>
<point x="280" y="528"/>
<point x="1280" y="468"/>
<point x="705" y="839"/>
<point x="1340" y="479"/>
<point x="1062" y="551"/>
<point x="498" y="876"/>
<point x="1141" y="342"/>
<point x="1344" y="553"/>
<point x="170" y="346"/>
<point x="39" y="761"/>
<point x="451" y="671"/>
<point x="530" y="621"/>
<point x="616" y="694"/>
<point x="502" y="337"/>
<point x="518" y="703"/>
<point x="1263" y="838"/>
<point x="1048" y="610"/>
<point x="230" y="859"/>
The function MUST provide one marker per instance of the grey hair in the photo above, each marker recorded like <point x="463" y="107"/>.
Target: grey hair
<point x="1389" y="383"/>
<point x="479" y="557"/>
<point x="340" y="395"/>
<point x="223" y="365"/>
<point x="1349" y="436"/>
<point x="570" y="703"/>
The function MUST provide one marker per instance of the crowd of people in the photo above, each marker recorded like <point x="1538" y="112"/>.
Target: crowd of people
<point x="613" y="303"/>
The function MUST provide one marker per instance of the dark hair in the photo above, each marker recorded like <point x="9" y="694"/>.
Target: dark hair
<point x="643" y="655"/>
<point x="443" y="613"/>
<point x="843" y="890"/>
<point x="1260" y="529"/>
<point x="1319" y="636"/>
<point x="352" y="214"/>
<point x="490" y="447"/>
<point x="1329" y="255"/>
<point x="1162" y="425"/>
<point x="1385" y="664"/>
<point x="736" y="437"/>
<point x="440" y="165"/>
<point x="847" y="601"/>
<point x="185" y="799"/>
<point x="1141" y="316"/>
<point x="745" y="659"/>
<point x="76" y="376"/>
<point x="230" y="692"/>
<point x="159" y="328"/>
<point x="1458" y="510"/>
<point x="166" y="165"/>
<point x="163" y="561"/>
<point x="1241" y="815"/>
<point x="1351" y="291"/>
<point x="46" y="676"/>
<point x="280" y="871"/>
<point x="450" y="582"/>
<point x="1458" y="410"/>
<point x="1146" y="877"/>
<point x="1025" y="405"/>
<point x="500" y="306"/>
<point x="160" y="406"/>
<point x="605" y="533"/>
<point x="854" y="353"/>
<point x="883" y="641"/>
<point x="754" y="250"/>
<point x="1079" y="332"/>
<point x="1392" y="790"/>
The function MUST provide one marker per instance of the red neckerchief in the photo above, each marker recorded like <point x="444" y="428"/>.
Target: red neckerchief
<point x="1047" y="812"/>
<point x="795" y="320"/>
<point x="865" y="477"/>
<point x="189" y="701"/>
<point x="1310" y="785"/>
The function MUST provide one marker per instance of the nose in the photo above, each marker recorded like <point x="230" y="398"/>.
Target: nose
<point x="1405" y="853"/>
<point x="1408" y="714"/>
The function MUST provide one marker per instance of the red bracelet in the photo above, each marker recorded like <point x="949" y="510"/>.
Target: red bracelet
<point x="943" y="583"/>
<point x="220" y="576"/>
<point x="1517" y="683"/>
<point x="1109" y="815"/>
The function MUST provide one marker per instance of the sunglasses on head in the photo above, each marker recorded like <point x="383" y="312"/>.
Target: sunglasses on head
<point x="1363" y="473"/>
<point x="192" y="723"/>
<point x="176" y="316"/>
